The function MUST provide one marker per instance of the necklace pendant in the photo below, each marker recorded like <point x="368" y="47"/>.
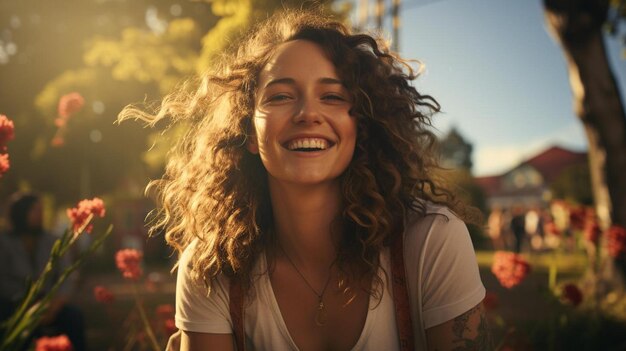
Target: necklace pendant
<point x="320" y="315"/>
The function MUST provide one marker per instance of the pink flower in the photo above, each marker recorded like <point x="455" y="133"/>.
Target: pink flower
<point x="572" y="294"/>
<point x="127" y="261"/>
<point x="592" y="232"/>
<point x="4" y="164"/>
<point x="7" y="131"/>
<point x="616" y="241"/>
<point x="54" y="343"/>
<point x="509" y="268"/>
<point x="60" y="122"/>
<point x="69" y="104"/>
<point x="79" y="214"/>
<point x="103" y="294"/>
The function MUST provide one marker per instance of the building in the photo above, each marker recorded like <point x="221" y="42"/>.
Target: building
<point x="529" y="183"/>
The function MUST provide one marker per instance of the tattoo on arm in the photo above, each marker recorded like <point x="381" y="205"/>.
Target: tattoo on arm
<point x="465" y="338"/>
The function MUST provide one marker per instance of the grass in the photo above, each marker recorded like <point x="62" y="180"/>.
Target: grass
<point x="570" y="263"/>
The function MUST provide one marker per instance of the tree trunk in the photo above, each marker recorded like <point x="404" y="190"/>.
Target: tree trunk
<point x="577" y="26"/>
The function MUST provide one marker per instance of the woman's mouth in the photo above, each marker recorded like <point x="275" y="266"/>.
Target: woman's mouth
<point x="308" y="144"/>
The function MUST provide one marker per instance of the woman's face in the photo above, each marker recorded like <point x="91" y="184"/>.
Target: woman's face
<point x="303" y="130"/>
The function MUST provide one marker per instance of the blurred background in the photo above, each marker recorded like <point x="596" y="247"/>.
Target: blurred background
<point x="532" y="130"/>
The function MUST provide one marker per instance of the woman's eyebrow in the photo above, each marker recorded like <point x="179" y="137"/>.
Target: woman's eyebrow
<point x="280" y="81"/>
<point x="330" y="81"/>
<point x="291" y="81"/>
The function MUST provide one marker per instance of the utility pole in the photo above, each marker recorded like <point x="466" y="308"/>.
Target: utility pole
<point x="395" y="38"/>
<point x="380" y="13"/>
<point x="363" y="14"/>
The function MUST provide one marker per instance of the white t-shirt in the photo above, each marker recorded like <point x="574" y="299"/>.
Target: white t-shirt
<point x="443" y="283"/>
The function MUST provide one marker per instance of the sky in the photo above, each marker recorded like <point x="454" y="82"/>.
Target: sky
<point x="500" y="77"/>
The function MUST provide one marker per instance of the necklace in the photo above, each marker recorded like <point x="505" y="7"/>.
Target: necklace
<point x="320" y="315"/>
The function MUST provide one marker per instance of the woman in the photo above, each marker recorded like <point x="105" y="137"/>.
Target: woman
<point x="309" y="155"/>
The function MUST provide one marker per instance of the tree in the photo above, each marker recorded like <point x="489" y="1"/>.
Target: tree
<point x="113" y="53"/>
<point x="578" y="27"/>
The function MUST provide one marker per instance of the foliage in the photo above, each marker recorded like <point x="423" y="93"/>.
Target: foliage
<point x="31" y="310"/>
<point x="112" y="53"/>
<point x="586" y="314"/>
<point x="573" y="184"/>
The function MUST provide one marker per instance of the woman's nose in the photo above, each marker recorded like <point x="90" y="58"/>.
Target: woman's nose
<point x="308" y="112"/>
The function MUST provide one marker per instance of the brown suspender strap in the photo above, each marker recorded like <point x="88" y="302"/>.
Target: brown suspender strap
<point x="401" y="295"/>
<point x="236" y="313"/>
<point x="400" y="299"/>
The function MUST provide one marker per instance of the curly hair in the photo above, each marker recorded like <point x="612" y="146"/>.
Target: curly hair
<point x="215" y="191"/>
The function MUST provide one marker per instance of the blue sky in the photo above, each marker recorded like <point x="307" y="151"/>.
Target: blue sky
<point x="499" y="76"/>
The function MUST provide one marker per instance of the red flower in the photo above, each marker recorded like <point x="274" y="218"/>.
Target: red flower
<point x="165" y="311"/>
<point x="79" y="214"/>
<point x="577" y="217"/>
<point x="55" y="343"/>
<point x="572" y="294"/>
<point x="127" y="261"/>
<point x="7" y="131"/>
<point x="592" y="232"/>
<point x="509" y="268"/>
<point x="551" y="228"/>
<point x="491" y="301"/>
<point x="4" y="164"/>
<point x="616" y="241"/>
<point x="57" y="141"/>
<point x="70" y="104"/>
<point x="103" y="294"/>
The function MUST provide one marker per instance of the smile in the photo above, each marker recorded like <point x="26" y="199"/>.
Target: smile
<point x="308" y="144"/>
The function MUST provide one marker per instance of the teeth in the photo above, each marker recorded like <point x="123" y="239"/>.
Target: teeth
<point x="308" y="143"/>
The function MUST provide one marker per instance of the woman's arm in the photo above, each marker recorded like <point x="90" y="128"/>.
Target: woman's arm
<point x="468" y="331"/>
<point x="191" y="341"/>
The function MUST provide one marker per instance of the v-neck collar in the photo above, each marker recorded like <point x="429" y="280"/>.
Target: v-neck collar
<point x="280" y="321"/>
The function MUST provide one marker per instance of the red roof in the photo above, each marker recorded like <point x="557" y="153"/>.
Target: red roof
<point x="552" y="162"/>
<point x="549" y="163"/>
<point x="490" y="185"/>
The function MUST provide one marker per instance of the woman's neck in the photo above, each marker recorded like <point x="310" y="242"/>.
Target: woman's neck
<point x="304" y="218"/>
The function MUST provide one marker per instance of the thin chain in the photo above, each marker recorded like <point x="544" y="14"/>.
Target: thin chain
<point x="319" y="296"/>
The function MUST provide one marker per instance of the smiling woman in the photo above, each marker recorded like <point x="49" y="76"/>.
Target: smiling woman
<point x="304" y="205"/>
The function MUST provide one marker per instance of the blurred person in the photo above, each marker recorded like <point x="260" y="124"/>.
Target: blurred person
<point x="518" y="227"/>
<point x="533" y="225"/>
<point x="495" y="228"/>
<point x="24" y="252"/>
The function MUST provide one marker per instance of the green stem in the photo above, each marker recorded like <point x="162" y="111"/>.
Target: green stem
<point x="144" y="319"/>
<point x="28" y="315"/>
<point x="553" y="271"/>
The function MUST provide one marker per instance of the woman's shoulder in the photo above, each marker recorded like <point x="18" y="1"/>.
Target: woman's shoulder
<point x="426" y="212"/>
<point x="434" y="225"/>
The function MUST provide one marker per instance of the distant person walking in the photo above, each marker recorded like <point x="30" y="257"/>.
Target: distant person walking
<point x="495" y="228"/>
<point x="518" y="227"/>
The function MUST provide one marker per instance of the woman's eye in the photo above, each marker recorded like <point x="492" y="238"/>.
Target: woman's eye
<point x="333" y="97"/>
<point x="278" y="98"/>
